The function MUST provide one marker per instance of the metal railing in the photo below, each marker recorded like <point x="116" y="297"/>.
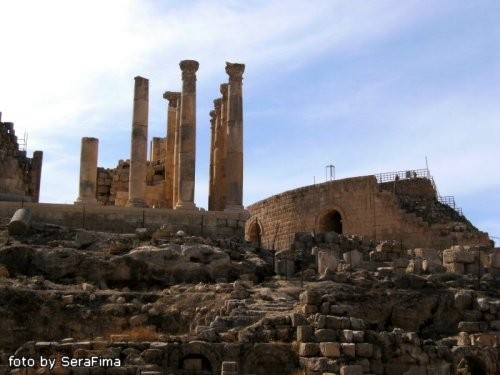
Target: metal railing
<point x="403" y="175"/>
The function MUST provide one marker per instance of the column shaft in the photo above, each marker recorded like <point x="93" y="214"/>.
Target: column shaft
<point x="211" y="181"/>
<point x="88" y="171"/>
<point x="187" y="154"/>
<point x="217" y="169"/>
<point x="234" y="160"/>
<point x="172" y="98"/>
<point x="177" y="147"/>
<point x="139" y="145"/>
<point x="223" y="146"/>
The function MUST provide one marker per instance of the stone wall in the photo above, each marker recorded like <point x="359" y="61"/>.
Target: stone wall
<point x="125" y="219"/>
<point x="19" y="175"/>
<point x="352" y="206"/>
<point x="113" y="184"/>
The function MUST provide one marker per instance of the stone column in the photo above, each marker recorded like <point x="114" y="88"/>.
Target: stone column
<point x="224" y="88"/>
<point x="187" y="131"/>
<point x="211" y="182"/>
<point x="172" y="98"/>
<point x="217" y="155"/>
<point x="155" y="149"/>
<point x="139" y="145"/>
<point x="234" y="160"/>
<point x="88" y="171"/>
<point x="177" y="147"/>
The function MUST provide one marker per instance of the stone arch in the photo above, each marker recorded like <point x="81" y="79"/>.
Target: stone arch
<point x="475" y="360"/>
<point x="254" y="232"/>
<point x="209" y="360"/>
<point x="331" y="219"/>
<point x="270" y="359"/>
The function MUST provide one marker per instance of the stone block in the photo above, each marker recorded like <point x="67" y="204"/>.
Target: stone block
<point x="358" y="324"/>
<point x="484" y="340"/>
<point x="463" y="300"/>
<point x="322" y="335"/>
<point x="327" y="262"/>
<point x="325" y="307"/>
<point x="495" y="258"/>
<point x="457" y="268"/>
<point x="364" y="350"/>
<point x="341" y="310"/>
<point x="337" y="322"/>
<point x="351" y="370"/>
<point x="463" y="339"/>
<point x="314" y="365"/>
<point x="348" y="349"/>
<point x="353" y="257"/>
<point x="458" y="254"/>
<point x="308" y="349"/>
<point x="298" y="319"/>
<point x="310" y="297"/>
<point x="309" y="309"/>
<point x="305" y="333"/>
<point x="482" y="304"/>
<point x="358" y="336"/>
<point x="346" y="335"/>
<point x="330" y="349"/>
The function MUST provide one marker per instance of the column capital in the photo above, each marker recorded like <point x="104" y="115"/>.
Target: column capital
<point x="172" y="97"/>
<point x="212" y="117"/>
<point x="235" y="71"/>
<point x="217" y="103"/>
<point x="224" y="87"/>
<point x="189" y="66"/>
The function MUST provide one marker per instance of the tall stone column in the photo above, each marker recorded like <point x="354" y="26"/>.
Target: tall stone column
<point x="187" y="154"/>
<point x="172" y="98"/>
<point x="88" y="171"/>
<point x="234" y="160"/>
<point x="139" y="145"/>
<point x="177" y="147"/>
<point x="217" y="156"/>
<point x="224" y="88"/>
<point x="211" y="181"/>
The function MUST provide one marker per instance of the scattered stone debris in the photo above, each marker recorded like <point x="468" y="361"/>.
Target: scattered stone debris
<point x="179" y="304"/>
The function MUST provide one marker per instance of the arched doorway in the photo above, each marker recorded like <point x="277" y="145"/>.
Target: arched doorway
<point x="254" y="233"/>
<point x="195" y="364"/>
<point x="331" y="221"/>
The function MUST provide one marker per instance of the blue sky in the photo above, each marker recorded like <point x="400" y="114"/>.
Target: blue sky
<point x="369" y="86"/>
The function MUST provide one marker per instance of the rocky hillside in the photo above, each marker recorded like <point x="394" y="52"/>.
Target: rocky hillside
<point x="189" y="305"/>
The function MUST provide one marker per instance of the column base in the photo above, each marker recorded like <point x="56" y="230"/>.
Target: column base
<point x="89" y="201"/>
<point x="185" y="206"/>
<point x="136" y="202"/>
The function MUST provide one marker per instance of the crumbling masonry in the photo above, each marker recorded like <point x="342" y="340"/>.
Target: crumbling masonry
<point x="19" y="175"/>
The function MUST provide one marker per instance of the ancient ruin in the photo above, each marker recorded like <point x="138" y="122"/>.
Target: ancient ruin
<point x="365" y="275"/>
<point x="19" y="175"/>
<point x="167" y="179"/>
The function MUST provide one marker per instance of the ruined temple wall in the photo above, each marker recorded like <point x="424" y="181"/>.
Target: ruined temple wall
<point x="113" y="184"/>
<point x="19" y="175"/>
<point x="365" y="210"/>
<point x="127" y="219"/>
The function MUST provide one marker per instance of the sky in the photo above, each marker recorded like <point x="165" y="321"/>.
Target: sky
<point x="368" y="86"/>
